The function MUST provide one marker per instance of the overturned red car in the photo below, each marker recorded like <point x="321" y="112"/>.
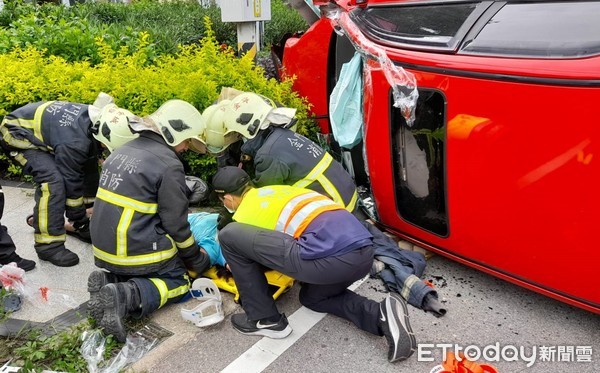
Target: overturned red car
<point x="497" y="167"/>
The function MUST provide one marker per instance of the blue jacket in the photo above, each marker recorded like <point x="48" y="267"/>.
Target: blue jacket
<point x="403" y="268"/>
<point x="204" y="229"/>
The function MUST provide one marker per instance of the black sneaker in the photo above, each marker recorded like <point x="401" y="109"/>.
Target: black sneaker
<point x="96" y="281"/>
<point x="24" y="264"/>
<point x="275" y="330"/>
<point x="393" y="320"/>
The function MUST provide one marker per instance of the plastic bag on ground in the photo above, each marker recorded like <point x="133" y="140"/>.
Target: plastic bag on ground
<point x="13" y="277"/>
<point x="93" y="346"/>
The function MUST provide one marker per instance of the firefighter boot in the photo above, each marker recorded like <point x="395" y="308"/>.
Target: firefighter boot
<point x="118" y="300"/>
<point x="59" y="256"/>
<point x="96" y="281"/>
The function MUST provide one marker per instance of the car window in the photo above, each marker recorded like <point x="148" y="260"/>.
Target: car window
<point x="435" y="25"/>
<point x="418" y="156"/>
<point x="561" y="29"/>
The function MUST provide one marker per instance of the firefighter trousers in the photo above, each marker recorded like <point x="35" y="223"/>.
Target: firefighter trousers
<point x="50" y="196"/>
<point x="158" y="289"/>
<point x="324" y="281"/>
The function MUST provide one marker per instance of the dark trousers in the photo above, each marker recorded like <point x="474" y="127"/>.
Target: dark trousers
<point x="247" y="249"/>
<point x="50" y="196"/>
<point x="158" y="289"/>
<point x="7" y="246"/>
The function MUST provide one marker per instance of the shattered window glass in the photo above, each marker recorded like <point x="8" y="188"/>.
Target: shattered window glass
<point x="433" y="25"/>
<point x="418" y="153"/>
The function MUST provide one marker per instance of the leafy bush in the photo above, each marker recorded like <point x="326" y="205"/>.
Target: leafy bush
<point x="195" y="74"/>
<point x="35" y="351"/>
<point x="283" y="20"/>
<point x="70" y="32"/>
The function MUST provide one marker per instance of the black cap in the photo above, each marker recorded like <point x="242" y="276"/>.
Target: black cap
<point x="229" y="179"/>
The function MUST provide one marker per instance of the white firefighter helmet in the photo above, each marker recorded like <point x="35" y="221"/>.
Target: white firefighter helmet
<point x="210" y="310"/>
<point x="177" y="121"/>
<point x="112" y="127"/>
<point x="216" y="134"/>
<point x="250" y="112"/>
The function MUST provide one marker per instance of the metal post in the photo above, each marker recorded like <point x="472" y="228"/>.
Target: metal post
<point x="246" y="14"/>
<point x="247" y="36"/>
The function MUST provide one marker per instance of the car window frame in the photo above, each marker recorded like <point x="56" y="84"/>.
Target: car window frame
<point x="491" y="12"/>
<point x="452" y="46"/>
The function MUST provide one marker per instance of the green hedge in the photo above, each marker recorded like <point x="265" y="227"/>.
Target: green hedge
<point x="142" y="53"/>
<point x="195" y="74"/>
<point x="70" y="32"/>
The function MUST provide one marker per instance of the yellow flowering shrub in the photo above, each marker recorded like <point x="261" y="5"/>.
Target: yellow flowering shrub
<point x="195" y="74"/>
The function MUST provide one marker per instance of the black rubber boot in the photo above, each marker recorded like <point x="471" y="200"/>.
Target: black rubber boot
<point x="96" y="281"/>
<point x="61" y="256"/>
<point x="118" y="300"/>
<point x="24" y="264"/>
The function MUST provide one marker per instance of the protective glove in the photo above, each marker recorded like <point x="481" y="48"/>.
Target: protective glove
<point x="197" y="264"/>
<point x="81" y="229"/>
<point x="81" y="225"/>
<point x="225" y="217"/>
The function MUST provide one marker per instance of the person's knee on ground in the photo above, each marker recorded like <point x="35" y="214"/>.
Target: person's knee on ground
<point x="96" y="281"/>
<point x="118" y="300"/>
<point x="307" y="299"/>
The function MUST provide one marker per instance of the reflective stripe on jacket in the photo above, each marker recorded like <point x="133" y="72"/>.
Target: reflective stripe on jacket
<point x="288" y="158"/>
<point x="282" y="208"/>
<point x="61" y="128"/>
<point x="140" y="215"/>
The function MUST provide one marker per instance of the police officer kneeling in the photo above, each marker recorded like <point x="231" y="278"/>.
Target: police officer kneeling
<point x="316" y="241"/>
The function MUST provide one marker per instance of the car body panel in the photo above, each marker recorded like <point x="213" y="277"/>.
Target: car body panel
<point x="519" y="159"/>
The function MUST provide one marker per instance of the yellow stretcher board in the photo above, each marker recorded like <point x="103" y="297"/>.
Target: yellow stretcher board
<point x="276" y="279"/>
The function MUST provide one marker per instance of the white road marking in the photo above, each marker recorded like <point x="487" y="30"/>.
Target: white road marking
<point x="267" y="350"/>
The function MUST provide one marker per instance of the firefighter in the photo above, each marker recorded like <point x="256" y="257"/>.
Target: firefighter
<point x="278" y="155"/>
<point x="140" y="231"/>
<point x="58" y="144"/>
<point x="311" y="238"/>
<point x="8" y="252"/>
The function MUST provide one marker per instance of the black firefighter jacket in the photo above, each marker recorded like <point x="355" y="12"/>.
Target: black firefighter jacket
<point x="63" y="129"/>
<point x="282" y="156"/>
<point x="140" y="221"/>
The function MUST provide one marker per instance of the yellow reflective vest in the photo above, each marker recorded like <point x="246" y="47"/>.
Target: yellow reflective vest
<point x="283" y="208"/>
<point x="285" y="157"/>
